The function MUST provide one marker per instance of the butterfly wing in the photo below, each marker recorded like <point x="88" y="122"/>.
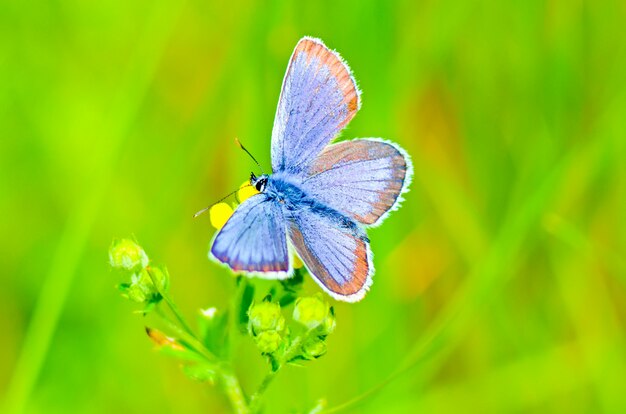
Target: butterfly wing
<point x="318" y="98"/>
<point x="334" y="249"/>
<point x="254" y="239"/>
<point x="363" y="178"/>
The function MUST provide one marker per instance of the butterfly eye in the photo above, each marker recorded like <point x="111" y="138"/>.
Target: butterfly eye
<point x="260" y="185"/>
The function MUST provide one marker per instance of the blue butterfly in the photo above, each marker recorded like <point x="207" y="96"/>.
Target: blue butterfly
<point x="321" y="197"/>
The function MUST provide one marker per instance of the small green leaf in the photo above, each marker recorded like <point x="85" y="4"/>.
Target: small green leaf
<point x="213" y="330"/>
<point x="274" y="363"/>
<point x="287" y="299"/>
<point x="244" y="303"/>
<point x="149" y="307"/>
<point x="294" y="283"/>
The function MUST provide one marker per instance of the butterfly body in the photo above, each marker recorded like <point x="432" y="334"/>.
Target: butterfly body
<point x="293" y="201"/>
<point x="321" y="197"/>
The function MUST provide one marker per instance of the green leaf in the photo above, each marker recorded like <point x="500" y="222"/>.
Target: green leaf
<point x="294" y="283"/>
<point x="244" y="304"/>
<point x="150" y="306"/>
<point x="274" y="363"/>
<point x="287" y="299"/>
<point x="213" y="332"/>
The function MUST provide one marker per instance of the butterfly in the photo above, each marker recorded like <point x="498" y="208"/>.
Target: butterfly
<point x="321" y="197"/>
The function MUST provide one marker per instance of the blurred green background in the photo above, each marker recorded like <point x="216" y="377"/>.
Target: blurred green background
<point x="499" y="284"/>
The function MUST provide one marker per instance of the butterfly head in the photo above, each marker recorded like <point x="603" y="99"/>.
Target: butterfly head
<point x="258" y="182"/>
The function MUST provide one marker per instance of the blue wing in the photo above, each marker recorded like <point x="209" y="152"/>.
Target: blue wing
<point x="363" y="179"/>
<point x="334" y="249"/>
<point x="254" y="239"/>
<point x="318" y="98"/>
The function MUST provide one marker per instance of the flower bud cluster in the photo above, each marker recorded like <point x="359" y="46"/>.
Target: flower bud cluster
<point x="146" y="282"/>
<point x="319" y="319"/>
<point x="266" y="324"/>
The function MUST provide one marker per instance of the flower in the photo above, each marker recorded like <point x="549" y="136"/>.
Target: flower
<point x="246" y="191"/>
<point x="219" y="214"/>
<point x="127" y="254"/>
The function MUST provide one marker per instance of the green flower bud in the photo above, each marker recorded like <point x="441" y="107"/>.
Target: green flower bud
<point x="138" y="292"/>
<point x="142" y="289"/>
<point x="268" y="341"/>
<point x="311" y="311"/>
<point x="265" y="316"/>
<point x="161" y="276"/>
<point x="128" y="255"/>
<point x="329" y="323"/>
<point x="313" y="348"/>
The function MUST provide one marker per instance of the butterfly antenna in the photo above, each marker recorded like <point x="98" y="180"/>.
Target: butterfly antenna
<point x="248" y="152"/>
<point x="204" y="210"/>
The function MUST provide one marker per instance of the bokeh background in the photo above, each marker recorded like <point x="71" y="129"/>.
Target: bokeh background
<point x="499" y="284"/>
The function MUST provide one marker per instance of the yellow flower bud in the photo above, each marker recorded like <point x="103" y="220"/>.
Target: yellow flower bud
<point x="246" y="191"/>
<point x="265" y="316"/>
<point x="141" y="288"/>
<point x="311" y="311"/>
<point x="219" y="215"/>
<point x="128" y="255"/>
<point x="314" y="348"/>
<point x="268" y="341"/>
<point x="329" y="323"/>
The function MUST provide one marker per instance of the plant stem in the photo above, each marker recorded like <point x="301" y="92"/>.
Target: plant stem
<point x="170" y="303"/>
<point x="233" y="314"/>
<point x="228" y="379"/>
<point x="191" y="339"/>
<point x="255" y="399"/>
<point x="233" y="390"/>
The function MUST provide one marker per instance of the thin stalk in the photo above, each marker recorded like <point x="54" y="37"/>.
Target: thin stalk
<point x="170" y="303"/>
<point x="256" y="398"/>
<point x="191" y="340"/>
<point x="233" y="391"/>
<point x="233" y="314"/>
<point x="228" y="379"/>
